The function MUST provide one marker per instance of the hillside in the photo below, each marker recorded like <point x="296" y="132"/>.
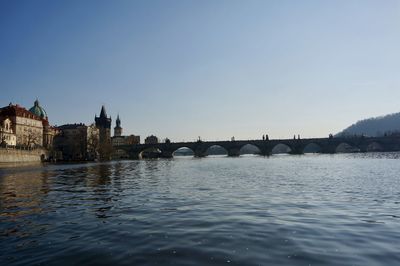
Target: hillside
<point x="376" y="126"/>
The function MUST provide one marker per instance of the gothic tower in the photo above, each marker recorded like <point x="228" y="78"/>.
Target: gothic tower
<point x="103" y="123"/>
<point x="118" y="128"/>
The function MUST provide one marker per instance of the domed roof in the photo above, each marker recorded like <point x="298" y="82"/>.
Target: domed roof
<point x="38" y="110"/>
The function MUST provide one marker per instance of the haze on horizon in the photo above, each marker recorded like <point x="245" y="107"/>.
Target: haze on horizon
<point x="215" y="69"/>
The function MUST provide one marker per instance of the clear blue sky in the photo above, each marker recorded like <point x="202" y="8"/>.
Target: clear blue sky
<point x="215" y="69"/>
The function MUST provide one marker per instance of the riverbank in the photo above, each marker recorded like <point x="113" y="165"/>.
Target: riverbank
<point x="13" y="155"/>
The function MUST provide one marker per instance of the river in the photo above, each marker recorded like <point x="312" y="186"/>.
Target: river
<point x="341" y="209"/>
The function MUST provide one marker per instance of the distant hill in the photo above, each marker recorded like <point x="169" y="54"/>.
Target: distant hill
<point x="374" y="127"/>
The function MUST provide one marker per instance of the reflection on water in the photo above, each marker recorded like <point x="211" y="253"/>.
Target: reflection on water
<point x="297" y="210"/>
<point x="22" y="194"/>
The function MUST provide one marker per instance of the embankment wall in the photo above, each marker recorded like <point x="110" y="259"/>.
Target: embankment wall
<point x="9" y="155"/>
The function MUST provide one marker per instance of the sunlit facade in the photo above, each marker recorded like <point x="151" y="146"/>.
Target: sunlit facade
<point x="7" y="135"/>
<point x="30" y="128"/>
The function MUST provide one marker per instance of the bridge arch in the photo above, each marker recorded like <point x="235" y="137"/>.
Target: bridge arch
<point x="249" y="148"/>
<point x="281" y="148"/>
<point x="183" y="151"/>
<point x="345" y="147"/>
<point x="150" y="153"/>
<point x="312" y="147"/>
<point x="216" y="149"/>
<point x="374" y="147"/>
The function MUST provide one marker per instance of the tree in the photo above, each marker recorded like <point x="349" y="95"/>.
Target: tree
<point x="32" y="139"/>
<point x="93" y="144"/>
<point x="105" y="150"/>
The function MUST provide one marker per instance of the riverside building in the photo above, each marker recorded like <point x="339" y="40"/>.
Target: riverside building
<point x="77" y="142"/>
<point x="119" y="140"/>
<point x="30" y="128"/>
<point x="7" y="135"/>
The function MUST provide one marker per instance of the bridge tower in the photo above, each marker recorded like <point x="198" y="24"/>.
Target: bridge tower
<point x="103" y="123"/>
<point x="118" y="128"/>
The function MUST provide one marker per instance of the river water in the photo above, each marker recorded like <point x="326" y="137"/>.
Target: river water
<point x="339" y="209"/>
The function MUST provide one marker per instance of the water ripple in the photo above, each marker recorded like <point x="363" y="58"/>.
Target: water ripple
<point x="310" y="210"/>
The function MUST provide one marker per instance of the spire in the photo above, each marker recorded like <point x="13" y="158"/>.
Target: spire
<point x="118" y="121"/>
<point x="103" y="121"/>
<point x="36" y="102"/>
<point x="103" y="112"/>
<point x="118" y="128"/>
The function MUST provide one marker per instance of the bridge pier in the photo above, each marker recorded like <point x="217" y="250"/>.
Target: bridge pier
<point x="134" y="156"/>
<point x="265" y="152"/>
<point x="167" y="154"/>
<point x="234" y="152"/>
<point x="328" y="149"/>
<point x="363" y="148"/>
<point x="200" y="153"/>
<point x="296" y="152"/>
<point x="297" y="149"/>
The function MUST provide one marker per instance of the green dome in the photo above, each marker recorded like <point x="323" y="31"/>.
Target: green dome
<point x="38" y="110"/>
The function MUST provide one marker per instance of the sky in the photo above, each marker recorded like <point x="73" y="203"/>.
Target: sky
<point x="214" y="69"/>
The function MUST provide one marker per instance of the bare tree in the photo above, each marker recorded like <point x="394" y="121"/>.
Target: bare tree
<point x="93" y="145"/>
<point x="105" y="150"/>
<point x="32" y="139"/>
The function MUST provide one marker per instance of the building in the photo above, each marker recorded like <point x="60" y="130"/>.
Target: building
<point x="27" y="127"/>
<point x="7" y="135"/>
<point x="77" y="142"/>
<point x="132" y="139"/>
<point x="103" y="123"/>
<point x="48" y="131"/>
<point x="118" y="128"/>
<point x="31" y="128"/>
<point x="125" y="140"/>
<point x="151" y="140"/>
<point x="119" y="140"/>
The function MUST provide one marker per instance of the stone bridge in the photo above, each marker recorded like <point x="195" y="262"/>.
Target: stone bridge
<point x="296" y="146"/>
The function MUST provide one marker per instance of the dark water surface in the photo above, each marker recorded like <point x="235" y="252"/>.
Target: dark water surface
<point x="290" y="210"/>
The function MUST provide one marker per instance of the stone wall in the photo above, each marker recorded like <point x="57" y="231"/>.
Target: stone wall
<point x="16" y="155"/>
